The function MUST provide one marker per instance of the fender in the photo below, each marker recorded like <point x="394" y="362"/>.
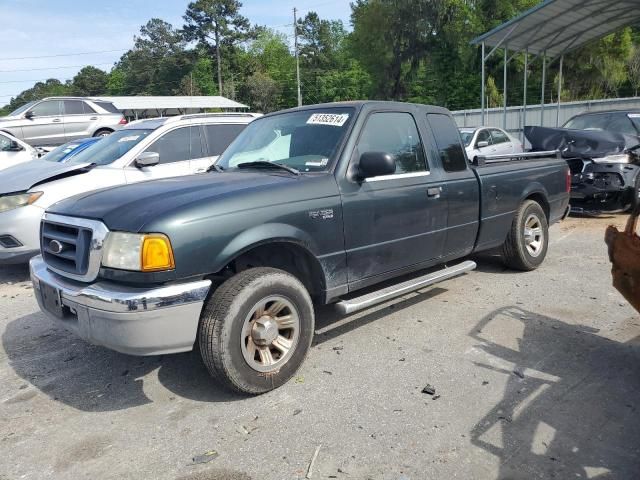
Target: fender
<point x="262" y="235"/>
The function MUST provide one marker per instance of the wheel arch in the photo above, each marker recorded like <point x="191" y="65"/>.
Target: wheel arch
<point x="538" y="194"/>
<point x="279" y="246"/>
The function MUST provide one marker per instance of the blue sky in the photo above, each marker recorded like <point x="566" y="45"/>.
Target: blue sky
<point x="32" y="28"/>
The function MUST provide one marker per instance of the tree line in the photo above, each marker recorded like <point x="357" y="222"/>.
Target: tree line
<point x="409" y="50"/>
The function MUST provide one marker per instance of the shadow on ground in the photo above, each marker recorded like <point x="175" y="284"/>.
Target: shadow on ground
<point x="571" y="410"/>
<point x="14" y="273"/>
<point x="93" y="378"/>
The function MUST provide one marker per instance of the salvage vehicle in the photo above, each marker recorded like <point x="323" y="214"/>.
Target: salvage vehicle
<point x="603" y="152"/>
<point x="14" y="151"/>
<point x="142" y="150"/>
<point x="53" y="121"/>
<point x="485" y="141"/>
<point x="307" y="206"/>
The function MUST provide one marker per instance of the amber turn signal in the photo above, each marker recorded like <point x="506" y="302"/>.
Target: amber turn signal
<point x="156" y="253"/>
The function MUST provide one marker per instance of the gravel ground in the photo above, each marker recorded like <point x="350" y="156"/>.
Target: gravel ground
<point x="537" y="375"/>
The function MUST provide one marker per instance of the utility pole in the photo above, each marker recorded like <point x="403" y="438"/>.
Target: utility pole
<point x="295" y="43"/>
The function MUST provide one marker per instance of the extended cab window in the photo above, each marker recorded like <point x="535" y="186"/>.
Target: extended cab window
<point x="448" y="141"/>
<point x="178" y="145"/>
<point x="395" y="133"/>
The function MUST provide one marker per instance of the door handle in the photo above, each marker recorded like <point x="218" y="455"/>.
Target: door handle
<point x="201" y="170"/>
<point x="93" y="118"/>
<point x="434" y="192"/>
<point x="56" y="120"/>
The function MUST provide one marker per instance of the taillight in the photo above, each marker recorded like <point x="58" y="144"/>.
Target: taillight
<point x="123" y="121"/>
<point x="568" y="186"/>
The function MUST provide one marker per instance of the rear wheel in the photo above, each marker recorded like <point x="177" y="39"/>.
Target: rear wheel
<point x="256" y="330"/>
<point x="526" y="245"/>
<point x="103" y="132"/>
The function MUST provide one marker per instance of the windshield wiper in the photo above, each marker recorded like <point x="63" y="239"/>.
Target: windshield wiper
<point x="264" y="163"/>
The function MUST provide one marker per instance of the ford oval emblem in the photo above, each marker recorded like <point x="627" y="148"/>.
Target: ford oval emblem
<point x="55" y="246"/>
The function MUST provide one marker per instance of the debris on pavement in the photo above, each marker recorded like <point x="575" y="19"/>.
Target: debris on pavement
<point x="205" y="457"/>
<point x="312" y="462"/>
<point x="429" y="390"/>
<point x="435" y="397"/>
<point x="297" y="411"/>
<point x="485" y="382"/>
<point x="518" y="372"/>
<point x="338" y="348"/>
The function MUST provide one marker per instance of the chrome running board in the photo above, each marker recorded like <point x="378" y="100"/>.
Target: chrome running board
<point x="359" y="303"/>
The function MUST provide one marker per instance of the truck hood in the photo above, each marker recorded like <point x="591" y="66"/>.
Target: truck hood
<point x="130" y="207"/>
<point x="24" y="176"/>
<point x="585" y="144"/>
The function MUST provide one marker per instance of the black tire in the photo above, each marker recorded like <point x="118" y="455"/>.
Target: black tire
<point x="515" y="253"/>
<point x="103" y="132"/>
<point x="222" y="329"/>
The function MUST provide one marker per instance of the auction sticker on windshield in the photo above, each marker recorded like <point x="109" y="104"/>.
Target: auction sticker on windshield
<point x="333" y="119"/>
<point x="130" y="138"/>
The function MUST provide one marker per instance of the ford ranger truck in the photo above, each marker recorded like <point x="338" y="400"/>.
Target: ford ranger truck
<point x="307" y="206"/>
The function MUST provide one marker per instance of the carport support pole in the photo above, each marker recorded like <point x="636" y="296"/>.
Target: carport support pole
<point x="504" y="80"/>
<point x="559" y="91"/>
<point x="544" y="79"/>
<point x="524" y="99"/>
<point x="482" y="88"/>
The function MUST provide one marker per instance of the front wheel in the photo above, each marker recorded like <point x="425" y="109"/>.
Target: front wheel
<point x="256" y="330"/>
<point x="528" y="240"/>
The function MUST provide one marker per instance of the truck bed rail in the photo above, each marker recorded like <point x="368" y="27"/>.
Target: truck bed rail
<point x="508" y="157"/>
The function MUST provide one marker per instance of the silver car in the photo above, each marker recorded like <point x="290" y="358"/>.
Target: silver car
<point x="57" y="120"/>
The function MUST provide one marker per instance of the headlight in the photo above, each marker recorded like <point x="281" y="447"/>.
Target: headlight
<point x="618" y="158"/>
<point x="147" y="252"/>
<point x="9" y="202"/>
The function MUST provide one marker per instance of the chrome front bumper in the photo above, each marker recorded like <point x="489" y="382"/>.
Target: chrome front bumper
<point x="136" y="321"/>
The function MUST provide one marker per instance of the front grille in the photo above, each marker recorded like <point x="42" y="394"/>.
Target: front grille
<point x="65" y="247"/>
<point x="576" y="165"/>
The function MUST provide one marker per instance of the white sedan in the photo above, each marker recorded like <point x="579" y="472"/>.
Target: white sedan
<point x="488" y="141"/>
<point x="14" y="151"/>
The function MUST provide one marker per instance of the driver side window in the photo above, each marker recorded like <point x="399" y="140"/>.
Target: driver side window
<point x="395" y="133"/>
<point x="483" y="136"/>
<point x="48" y="108"/>
<point x="5" y="143"/>
<point x="178" y="145"/>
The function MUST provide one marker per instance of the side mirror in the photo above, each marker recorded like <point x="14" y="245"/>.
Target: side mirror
<point x="14" y="146"/>
<point x="482" y="144"/>
<point x="147" y="159"/>
<point x="376" y="164"/>
<point x="29" y="115"/>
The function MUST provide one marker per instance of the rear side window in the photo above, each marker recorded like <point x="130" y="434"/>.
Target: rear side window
<point x="219" y="137"/>
<point x="73" y="107"/>
<point x="108" y="106"/>
<point x="395" y="133"/>
<point x="499" y="136"/>
<point x="448" y="142"/>
<point x="88" y="108"/>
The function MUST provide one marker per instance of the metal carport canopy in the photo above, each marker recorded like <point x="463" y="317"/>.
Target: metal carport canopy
<point x="556" y="27"/>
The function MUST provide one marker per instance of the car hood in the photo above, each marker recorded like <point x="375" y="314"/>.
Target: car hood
<point x="9" y="119"/>
<point x="579" y="143"/>
<point x="130" y="207"/>
<point x="24" y="176"/>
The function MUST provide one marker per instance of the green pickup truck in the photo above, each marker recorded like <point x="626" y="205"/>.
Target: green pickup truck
<point x="307" y="206"/>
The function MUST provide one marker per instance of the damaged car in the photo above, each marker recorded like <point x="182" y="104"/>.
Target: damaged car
<point x="603" y="153"/>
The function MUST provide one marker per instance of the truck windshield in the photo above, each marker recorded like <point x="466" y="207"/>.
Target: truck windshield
<point x="306" y="140"/>
<point x="111" y="148"/>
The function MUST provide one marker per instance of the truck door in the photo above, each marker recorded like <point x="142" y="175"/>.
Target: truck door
<point x="463" y="191"/>
<point x="397" y="221"/>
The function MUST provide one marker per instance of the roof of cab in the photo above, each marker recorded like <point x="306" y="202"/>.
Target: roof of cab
<point x="369" y="104"/>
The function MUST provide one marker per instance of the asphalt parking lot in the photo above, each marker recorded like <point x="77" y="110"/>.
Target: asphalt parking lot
<point x="537" y="375"/>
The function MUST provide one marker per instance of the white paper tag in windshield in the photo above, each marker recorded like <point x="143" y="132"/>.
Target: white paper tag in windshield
<point x="333" y="119"/>
<point x="130" y="138"/>
<point x="320" y="163"/>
